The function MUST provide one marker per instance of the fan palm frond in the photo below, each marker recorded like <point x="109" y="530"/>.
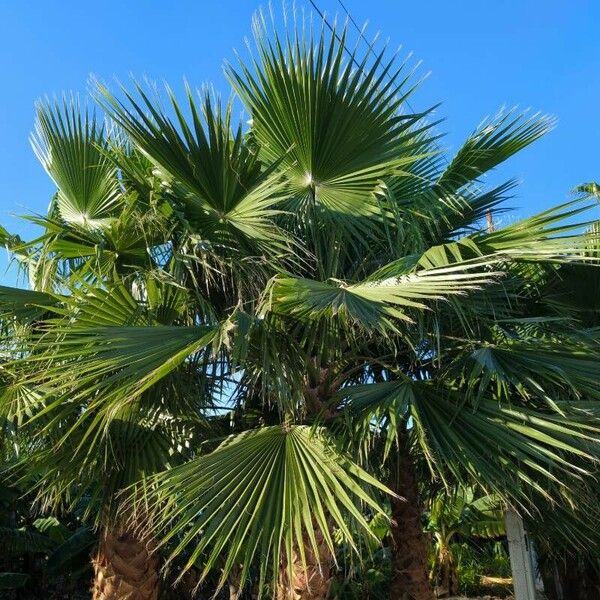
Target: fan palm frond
<point x="259" y="496"/>
<point x="71" y="144"/>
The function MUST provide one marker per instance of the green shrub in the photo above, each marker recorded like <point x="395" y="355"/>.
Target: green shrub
<point x="489" y="559"/>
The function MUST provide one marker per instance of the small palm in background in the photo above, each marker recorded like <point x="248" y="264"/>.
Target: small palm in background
<point x="459" y="514"/>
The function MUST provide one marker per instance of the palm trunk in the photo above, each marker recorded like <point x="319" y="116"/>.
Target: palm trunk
<point x="235" y="584"/>
<point x="409" y="548"/>
<point x="125" y="567"/>
<point x="313" y="583"/>
<point x="447" y="579"/>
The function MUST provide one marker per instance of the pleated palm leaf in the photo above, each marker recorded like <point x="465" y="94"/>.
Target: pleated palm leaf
<point x="337" y="285"/>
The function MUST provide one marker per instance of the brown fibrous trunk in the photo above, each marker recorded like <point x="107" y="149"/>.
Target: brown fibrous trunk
<point x="446" y="578"/>
<point x="410" y="579"/>
<point x="125" y="567"/>
<point x="235" y="583"/>
<point x="312" y="583"/>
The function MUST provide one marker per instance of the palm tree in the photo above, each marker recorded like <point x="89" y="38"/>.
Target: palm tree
<point x="98" y="243"/>
<point x="567" y="543"/>
<point x="326" y="276"/>
<point x="454" y="513"/>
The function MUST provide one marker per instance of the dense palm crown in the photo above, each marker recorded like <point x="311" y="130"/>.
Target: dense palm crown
<point x="323" y="273"/>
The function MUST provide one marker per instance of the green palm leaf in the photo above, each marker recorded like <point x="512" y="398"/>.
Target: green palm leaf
<point x="508" y="449"/>
<point x="25" y="305"/>
<point x="107" y="357"/>
<point x="110" y="366"/>
<point x="554" y="235"/>
<point x="261" y="495"/>
<point x="336" y="128"/>
<point x="494" y="141"/>
<point x="72" y="145"/>
<point x="215" y="173"/>
<point x="375" y="303"/>
<point x="535" y="369"/>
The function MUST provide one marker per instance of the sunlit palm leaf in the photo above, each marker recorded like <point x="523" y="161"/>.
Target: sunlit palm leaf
<point x="591" y="188"/>
<point x="535" y="369"/>
<point x="71" y="145"/>
<point x="104" y="354"/>
<point x="553" y="235"/>
<point x="493" y="142"/>
<point x="334" y="122"/>
<point x="18" y="402"/>
<point x="112" y="364"/>
<point x="507" y="449"/>
<point x="260" y="496"/>
<point x="135" y="444"/>
<point x="378" y="302"/>
<point x="24" y="305"/>
<point x="457" y="213"/>
<point x="222" y="183"/>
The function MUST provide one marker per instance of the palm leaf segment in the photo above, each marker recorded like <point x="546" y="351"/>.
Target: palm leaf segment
<point x="121" y="352"/>
<point x="455" y="199"/>
<point x="335" y="126"/>
<point x="335" y="121"/>
<point x="227" y="196"/>
<point x="376" y="303"/>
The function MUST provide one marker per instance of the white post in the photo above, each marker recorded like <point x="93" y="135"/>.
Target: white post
<point x="520" y="557"/>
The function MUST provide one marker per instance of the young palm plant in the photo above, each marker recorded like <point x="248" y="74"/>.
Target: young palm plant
<point x="454" y="513"/>
<point x="325" y="275"/>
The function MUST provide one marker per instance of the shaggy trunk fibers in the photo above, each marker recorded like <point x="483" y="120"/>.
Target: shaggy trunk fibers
<point x="410" y="579"/>
<point x="125" y="567"/>
<point x="310" y="584"/>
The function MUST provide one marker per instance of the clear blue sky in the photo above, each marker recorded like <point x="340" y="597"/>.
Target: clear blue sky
<point x="543" y="54"/>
